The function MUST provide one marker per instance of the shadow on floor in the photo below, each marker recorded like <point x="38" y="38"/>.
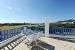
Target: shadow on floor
<point x="37" y="48"/>
<point x="12" y="44"/>
<point x="43" y="46"/>
<point x="72" y="40"/>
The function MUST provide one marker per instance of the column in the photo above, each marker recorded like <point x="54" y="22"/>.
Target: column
<point x="47" y="27"/>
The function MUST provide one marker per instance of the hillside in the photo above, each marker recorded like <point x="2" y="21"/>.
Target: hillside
<point x="70" y="20"/>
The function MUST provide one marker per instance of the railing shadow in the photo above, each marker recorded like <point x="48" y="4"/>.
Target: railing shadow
<point x="42" y="46"/>
<point x="72" y="40"/>
<point x="45" y="45"/>
<point x="12" y="44"/>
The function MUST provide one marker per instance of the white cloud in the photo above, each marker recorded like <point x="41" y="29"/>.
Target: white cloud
<point x="14" y="8"/>
<point x="9" y="7"/>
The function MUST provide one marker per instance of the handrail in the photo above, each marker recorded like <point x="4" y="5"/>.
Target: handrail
<point x="7" y="36"/>
<point x="5" y="42"/>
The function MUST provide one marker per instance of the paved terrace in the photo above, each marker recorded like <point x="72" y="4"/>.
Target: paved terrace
<point x="60" y="43"/>
<point x="52" y="43"/>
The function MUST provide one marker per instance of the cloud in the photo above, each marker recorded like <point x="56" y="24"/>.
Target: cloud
<point x="12" y="8"/>
<point x="9" y="7"/>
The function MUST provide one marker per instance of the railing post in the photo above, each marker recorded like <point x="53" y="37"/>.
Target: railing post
<point x="25" y="29"/>
<point x="5" y="34"/>
<point x="11" y="32"/>
<point x="72" y="31"/>
<point x="0" y="35"/>
<point x="22" y="29"/>
<point x="15" y="31"/>
<point x="18" y="30"/>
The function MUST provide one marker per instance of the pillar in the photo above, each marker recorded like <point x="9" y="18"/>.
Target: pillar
<point x="47" y="27"/>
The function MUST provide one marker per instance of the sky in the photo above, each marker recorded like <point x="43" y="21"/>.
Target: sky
<point x="35" y="11"/>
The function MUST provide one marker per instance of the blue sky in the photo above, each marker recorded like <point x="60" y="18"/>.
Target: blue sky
<point x="35" y="11"/>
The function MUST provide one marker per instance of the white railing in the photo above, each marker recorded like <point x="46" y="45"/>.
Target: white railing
<point x="5" y="42"/>
<point x="7" y="37"/>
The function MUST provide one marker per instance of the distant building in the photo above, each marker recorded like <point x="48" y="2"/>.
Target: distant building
<point x="67" y="22"/>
